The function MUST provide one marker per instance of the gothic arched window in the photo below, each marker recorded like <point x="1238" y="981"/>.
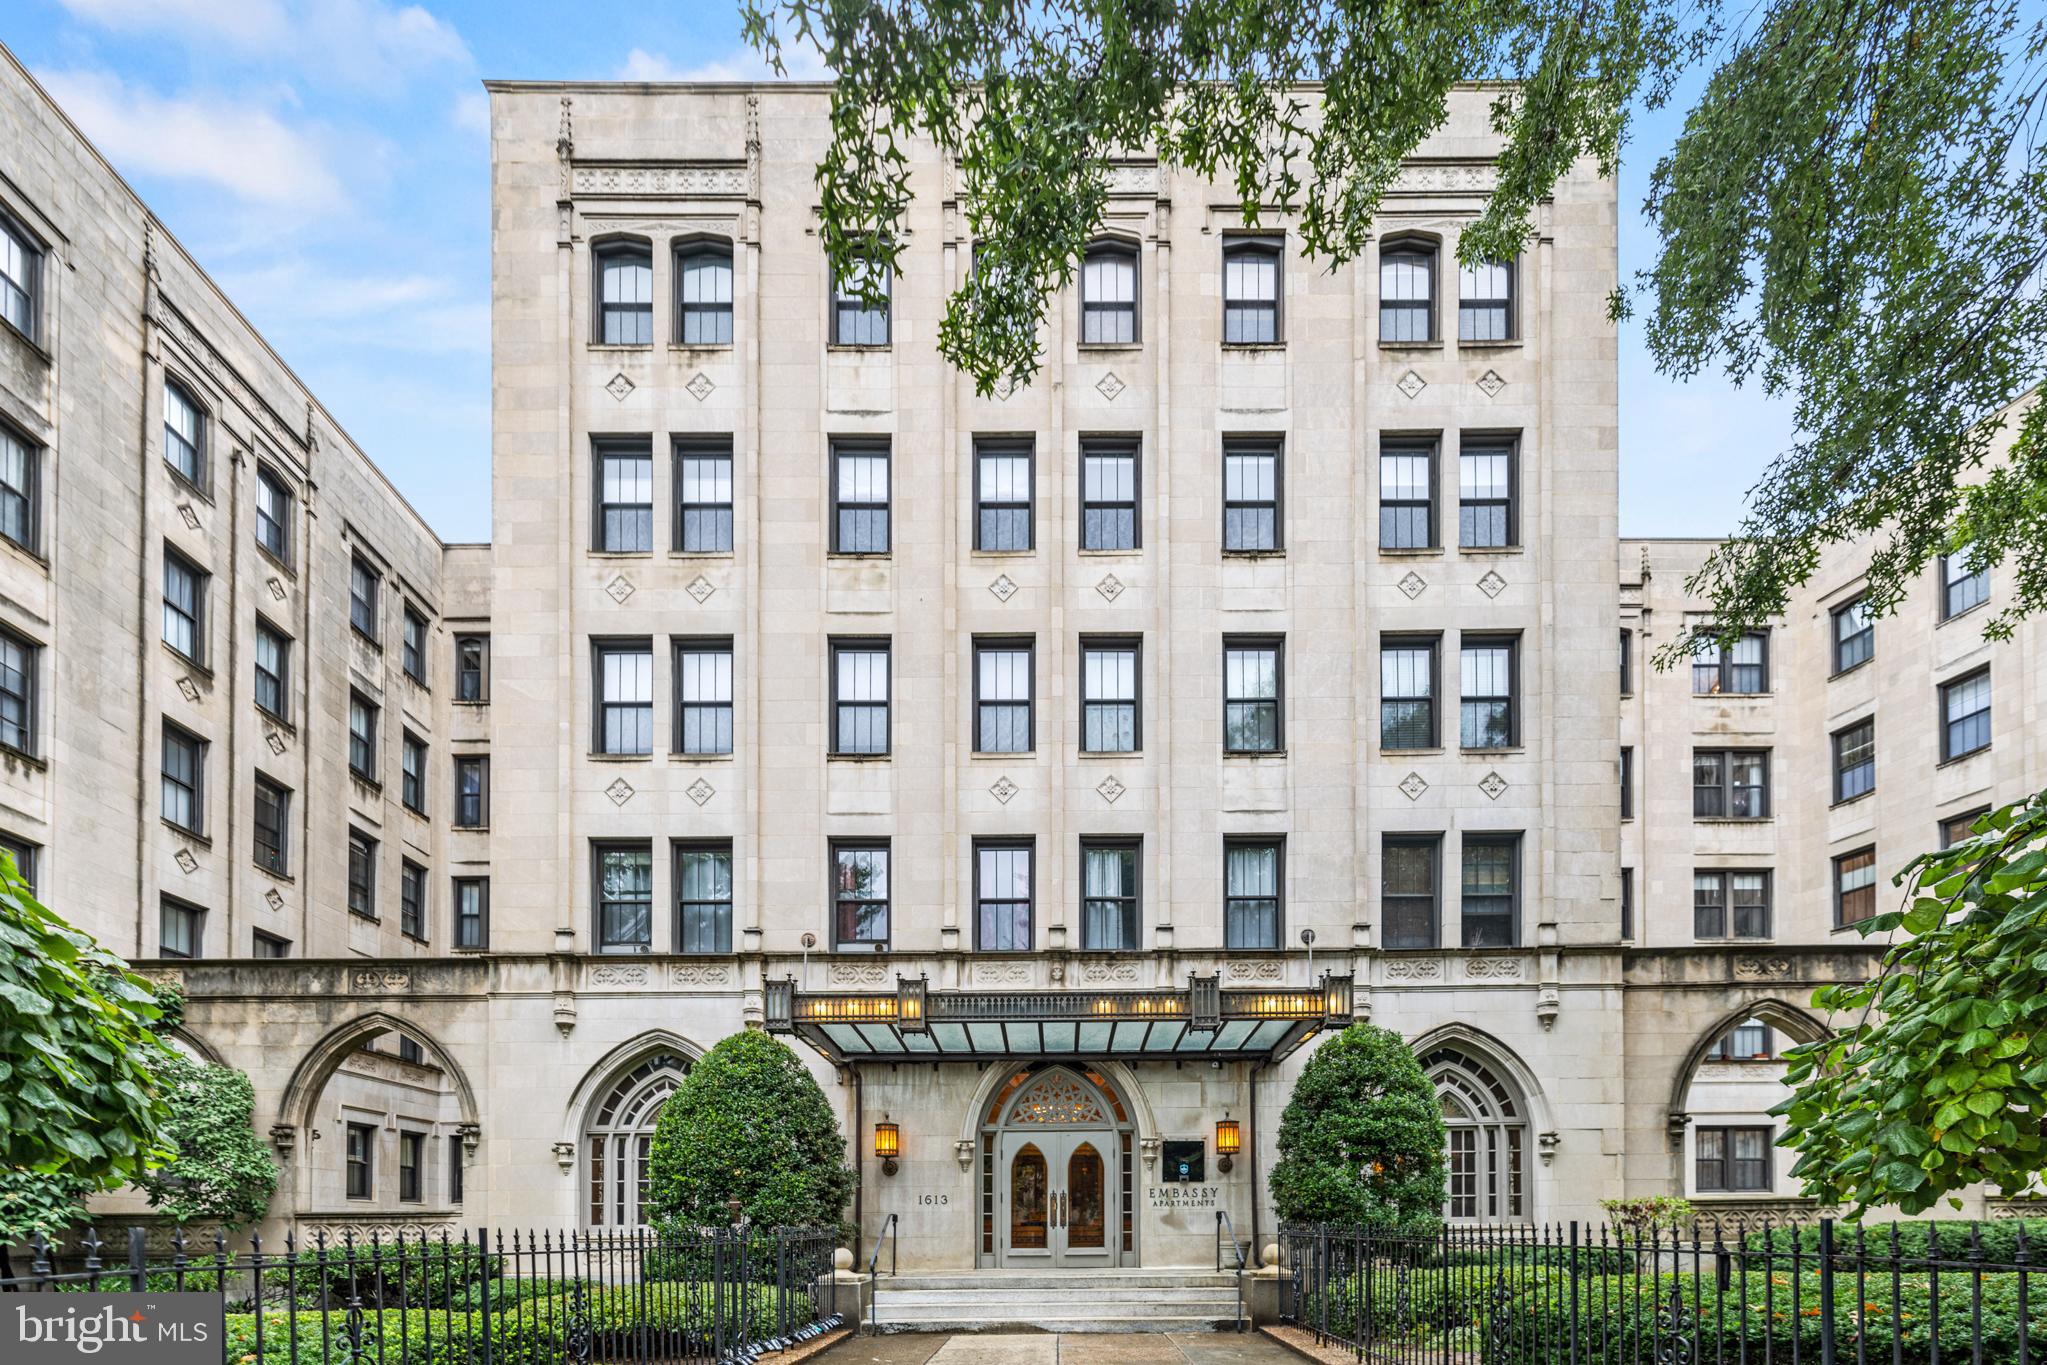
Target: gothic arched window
<point x="620" y="1137"/>
<point x="1487" y="1138"/>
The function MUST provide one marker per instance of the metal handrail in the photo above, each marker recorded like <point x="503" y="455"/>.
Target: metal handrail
<point x="1222" y="1222"/>
<point x="888" y="1230"/>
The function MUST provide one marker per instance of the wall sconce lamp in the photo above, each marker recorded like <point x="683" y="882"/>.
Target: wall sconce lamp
<point x="888" y="1145"/>
<point x="910" y="1002"/>
<point x="1339" y="994"/>
<point x="1229" y="1140"/>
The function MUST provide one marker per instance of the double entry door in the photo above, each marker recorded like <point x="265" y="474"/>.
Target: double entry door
<point x="1057" y="1202"/>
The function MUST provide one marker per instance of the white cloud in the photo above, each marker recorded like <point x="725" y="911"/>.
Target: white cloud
<point x="413" y="312"/>
<point x="804" y="61"/>
<point x="350" y="42"/>
<point x="243" y="23"/>
<point x="472" y="112"/>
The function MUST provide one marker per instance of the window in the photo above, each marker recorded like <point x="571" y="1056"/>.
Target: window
<point x="472" y="668"/>
<point x="20" y="470"/>
<point x="1855" y="760"/>
<point x="180" y="929"/>
<point x="472" y="912"/>
<point x="625" y="294"/>
<point x="1627" y="904"/>
<point x="362" y="737"/>
<point x="1733" y="1160"/>
<point x="703" y="293"/>
<point x="1002" y="495"/>
<point x="1108" y="295"/>
<point x="703" y="496"/>
<point x="455" y="1159"/>
<point x="1489" y="669"/>
<point x="860" y="694"/>
<point x="1251" y="893"/>
<point x="625" y="897"/>
<point x="409" y="1050"/>
<point x="1741" y="668"/>
<point x="1407" y="292"/>
<point x="1739" y="899"/>
<point x="184" y="606"/>
<point x="1485" y="494"/>
<point x="363" y="582"/>
<point x="625" y="697"/>
<point x="1003" y="675"/>
<point x="1731" y="784"/>
<point x="1251" y="697"/>
<point x="860" y="894"/>
<point x="1962" y="585"/>
<point x="273" y="827"/>
<point x="625" y="497"/>
<point x="184" y="779"/>
<point x="1250" y="291"/>
<point x="1956" y="828"/>
<point x="25" y="855"/>
<point x="1965" y="715"/>
<point x="1108" y="495"/>
<point x="268" y="945"/>
<point x="1627" y="782"/>
<point x="472" y="791"/>
<point x="1251" y="522"/>
<point x="1855" y="886"/>
<point x="1109" y="895"/>
<point x="361" y="1148"/>
<point x="1485" y="301"/>
<point x="362" y="874"/>
<point x="184" y="433"/>
<point x="21" y="261"/>
<point x="1627" y="663"/>
<point x="413" y="650"/>
<point x="411" y="1158"/>
<point x="412" y="772"/>
<point x="860" y="497"/>
<point x="856" y="322"/>
<point x="703" y="897"/>
<point x="703" y="696"/>
<point x="1408" y="884"/>
<point x="1485" y="1139"/>
<point x="1752" y="1040"/>
<point x="273" y="670"/>
<point x="1407" y="693"/>
<point x="411" y="899"/>
<point x="1491" y="893"/>
<point x="18" y="660"/>
<point x="1407" y="495"/>
<point x="1854" y="635"/>
<point x="1002" y="896"/>
<point x="620" y="1139"/>
<point x="1110" y="718"/>
<point x="273" y="515"/>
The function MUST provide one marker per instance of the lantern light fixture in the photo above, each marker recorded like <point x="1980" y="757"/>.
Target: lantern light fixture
<point x="888" y="1145"/>
<point x="1229" y="1140"/>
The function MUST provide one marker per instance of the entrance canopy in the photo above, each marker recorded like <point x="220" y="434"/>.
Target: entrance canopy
<point x="915" y="1023"/>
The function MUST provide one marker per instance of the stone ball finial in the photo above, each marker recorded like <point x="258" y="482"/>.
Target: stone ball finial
<point x="842" y="1259"/>
<point x="1271" y="1253"/>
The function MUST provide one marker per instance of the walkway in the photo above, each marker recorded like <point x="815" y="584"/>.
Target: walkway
<point x="1120" y="1348"/>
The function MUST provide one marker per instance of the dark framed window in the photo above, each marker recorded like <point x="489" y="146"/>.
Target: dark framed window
<point x="273" y="670"/>
<point x="623" y="882"/>
<point x="1955" y="828"/>
<point x="1855" y="886"/>
<point x="1485" y="493"/>
<point x="21" y="277"/>
<point x="860" y="497"/>
<point x="412" y="772"/>
<point x="1965" y="715"/>
<point x="273" y="826"/>
<point x="1962" y="585"/>
<point x="472" y="791"/>
<point x="1855" y="760"/>
<point x="1109" y="296"/>
<point x="409" y="1050"/>
<point x="860" y="897"/>
<point x="20" y="658"/>
<point x="860" y="696"/>
<point x="1407" y="291"/>
<point x="1407" y="692"/>
<point x="1003" y="487"/>
<point x="1251" y="496"/>
<point x="703" y="696"/>
<point x="1111" y="696"/>
<point x="703" y="897"/>
<point x="472" y="912"/>
<point x="184" y="606"/>
<point x="411" y="1161"/>
<point x="703" y="495"/>
<point x="625" y="293"/>
<point x="1110" y="898"/>
<point x="1854" y="635"/>
<point x="1751" y="1040"/>
<point x="703" y="294"/>
<point x="362" y="874"/>
<point x="625" y="696"/>
<point x="1739" y="669"/>
<point x="1108" y="494"/>
<point x="1003" y="879"/>
<point x="1410" y="883"/>
<point x="1492" y="890"/>
<point x="456" y="1157"/>
<point x="362" y="736"/>
<point x="1733" y="1160"/>
<point x="27" y="857"/>
<point x="273" y="515"/>
<point x="1251" y="291"/>
<point x="855" y="321"/>
<point x="21" y="463"/>
<point x="472" y="668"/>
<point x="1254" y="716"/>
<point x="181" y="929"/>
<point x="1489" y="669"/>
<point x="1731" y="784"/>
<point x="1627" y="663"/>
<point x="184" y="779"/>
<point x="1729" y="904"/>
<point x="1627" y="782"/>
<point x="363" y="584"/>
<point x="412" y="652"/>
<point x="361" y="1160"/>
<point x="1407" y="494"/>
<point x="1253" y="878"/>
<point x="1627" y="904"/>
<point x="268" y="945"/>
<point x="184" y="433"/>
<point x="1485" y="301"/>
<point x="411" y="899"/>
<point x="625" y="496"/>
<point x="1004" y="673"/>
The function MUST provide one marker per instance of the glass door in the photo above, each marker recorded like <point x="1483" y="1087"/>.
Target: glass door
<point x="1056" y="1201"/>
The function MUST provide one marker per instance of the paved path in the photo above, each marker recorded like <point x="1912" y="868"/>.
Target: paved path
<point x="1041" y="1348"/>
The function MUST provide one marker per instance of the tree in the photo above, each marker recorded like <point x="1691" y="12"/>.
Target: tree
<point x="221" y="1172"/>
<point x="748" y="1123"/>
<point x="1361" y="1138"/>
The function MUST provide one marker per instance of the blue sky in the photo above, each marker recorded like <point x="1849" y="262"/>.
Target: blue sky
<point x="326" y="161"/>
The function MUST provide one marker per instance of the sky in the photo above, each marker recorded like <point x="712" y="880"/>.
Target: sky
<point x="327" y="162"/>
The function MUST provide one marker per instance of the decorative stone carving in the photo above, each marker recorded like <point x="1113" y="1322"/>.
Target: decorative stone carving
<point x="676" y="180"/>
<point x="1133" y="178"/>
<point x="1111" y="587"/>
<point x="188" y="689"/>
<point x="1002" y="974"/>
<point x="1412" y="786"/>
<point x="700" y="387"/>
<point x="274" y="898"/>
<point x="1492" y="585"/>
<point x="1414" y="969"/>
<point x="1492" y="784"/>
<point x="700" y="791"/>
<point x="620" y="386"/>
<point x="701" y="589"/>
<point x="1004" y="387"/>
<point x="1547" y="1003"/>
<point x="619" y="974"/>
<point x="1057" y="1097"/>
<point x="1414" y="585"/>
<point x="1752" y="968"/>
<point x="190" y="514"/>
<point x="1412" y="384"/>
<point x="1492" y="969"/>
<point x="277" y="587"/>
<point x="700" y="974"/>
<point x="858" y="974"/>
<point x="376" y="980"/>
<point x="1109" y="386"/>
<point x="1546" y="1146"/>
<point x="1003" y="790"/>
<point x="282" y="1137"/>
<point x="187" y="864"/>
<point x="620" y="791"/>
<point x="1110" y="789"/>
<point x="1490" y="383"/>
<point x="1257" y="969"/>
<point x="619" y="589"/>
<point x="1004" y="587"/>
<point x="275" y="741"/>
<point x="565" y="1156"/>
<point x="1473" y="177"/>
<point x="1113" y="972"/>
<point x="963" y="1152"/>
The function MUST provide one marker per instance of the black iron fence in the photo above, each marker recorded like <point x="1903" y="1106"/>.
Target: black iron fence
<point x="1823" y="1294"/>
<point x="481" y="1298"/>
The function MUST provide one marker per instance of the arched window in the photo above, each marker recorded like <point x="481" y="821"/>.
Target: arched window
<point x="703" y="294"/>
<point x="620" y="1137"/>
<point x="1485" y="302"/>
<point x="1251" y="293"/>
<point x="854" y="322"/>
<point x="1407" y="291"/>
<point x="1487" y="1139"/>
<point x="625" y="294"/>
<point x="184" y="432"/>
<point x="1108" y="295"/>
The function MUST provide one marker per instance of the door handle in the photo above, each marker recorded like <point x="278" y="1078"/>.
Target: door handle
<point x="1060" y="1200"/>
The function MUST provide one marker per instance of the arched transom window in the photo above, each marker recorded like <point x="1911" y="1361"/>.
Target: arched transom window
<point x="620" y="1137"/>
<point x="1487" y="1139"/>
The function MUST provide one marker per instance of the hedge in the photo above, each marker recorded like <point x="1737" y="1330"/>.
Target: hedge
<point x="1998" y="1241"/>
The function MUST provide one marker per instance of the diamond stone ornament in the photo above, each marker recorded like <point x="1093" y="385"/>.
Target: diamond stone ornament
<point x="701" y="588"/>
<point x="620" y="791"/>
<point x="1412" y="786"/>
<point x="1413" y="585"/>
<point x="1003" y="790"/>
<point x="189" y="688"/>
<point x="274" y="899"/>
<point x="191" y="516"/>
<point x="618" y="589"/>
<point x="186" y="862"/>
<point x="275" y="741"/>
<point x="1412" y="384"/>
<point x="1492" y="784"/>
<point x="1491" y="383"/>
<point x="1111" y="587"/>
<point x="1109" y="386"/>
<point x="1004" y="588"/>
<point x="620" y="387"/>
<point x="700" y="791"/>
<point x="700" y="387"/>
<point x="1492" y="585"/>
<point x="1110" y="789"/>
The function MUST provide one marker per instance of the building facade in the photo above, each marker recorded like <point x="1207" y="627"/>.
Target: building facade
<point x="1052" y="768"/>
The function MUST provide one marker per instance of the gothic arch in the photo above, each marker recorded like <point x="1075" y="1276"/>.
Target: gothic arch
<point x="1792" y="1020"/>
<point x="1123" y="1088"/>
<point x="197" y="1046"/>
<point x="599" y="1079"/>
<point x="1484" y="1047"/>
<point x="302" y="1092"/>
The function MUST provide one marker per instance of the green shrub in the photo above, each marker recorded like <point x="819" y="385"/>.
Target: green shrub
<point x="222" y="1171"/>
<point x="1427" y="1301"/>
<point x="393" y="1275"/>
<point x="1999" y="1241"/>
<point x="1361" y="1139"/>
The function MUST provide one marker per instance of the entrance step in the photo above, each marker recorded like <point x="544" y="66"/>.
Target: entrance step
<point x="1151" y="1300"/>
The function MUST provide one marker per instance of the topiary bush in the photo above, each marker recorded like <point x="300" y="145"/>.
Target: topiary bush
<point x="1361" y="1139"/>
<point x="748" y="1123"/>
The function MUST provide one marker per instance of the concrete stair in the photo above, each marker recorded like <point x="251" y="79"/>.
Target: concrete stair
<point x="1151" y="1300"/>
